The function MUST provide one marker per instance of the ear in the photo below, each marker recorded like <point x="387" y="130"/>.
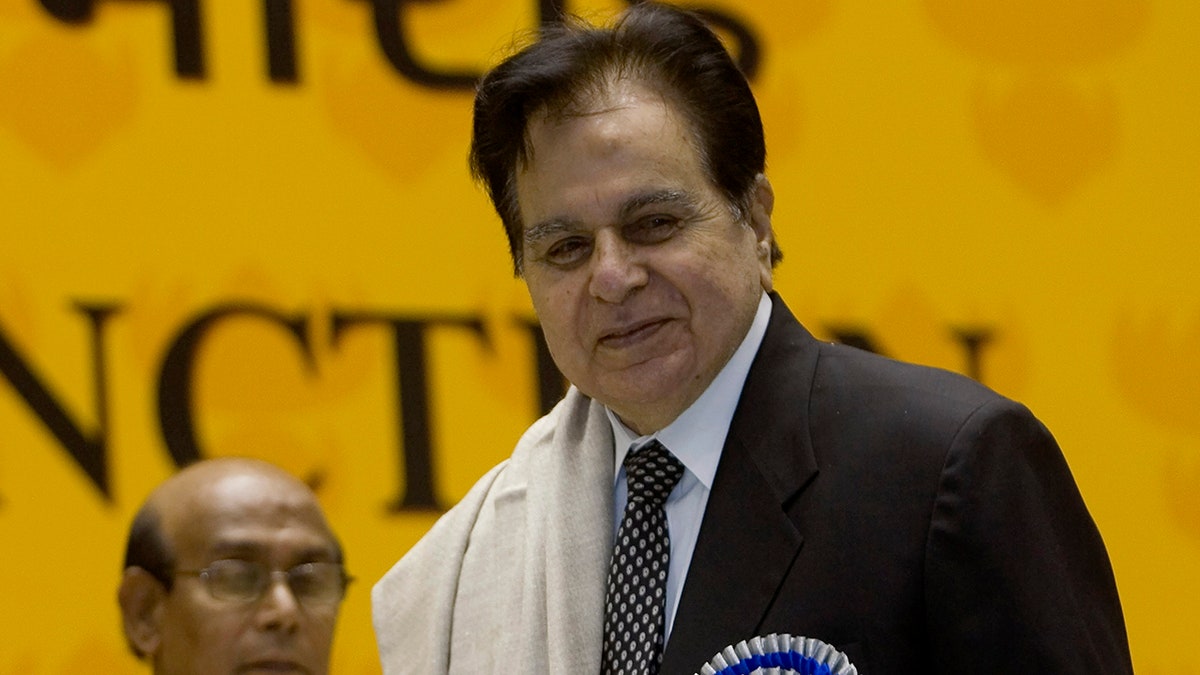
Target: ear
<point x="141" y="599"/>
<point x="762" y="203"/>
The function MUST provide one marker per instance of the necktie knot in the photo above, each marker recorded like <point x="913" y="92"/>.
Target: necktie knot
<point x="651" y="473"/>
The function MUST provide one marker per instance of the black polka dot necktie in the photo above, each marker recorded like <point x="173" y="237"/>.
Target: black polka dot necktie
<point x="635" y="606"/>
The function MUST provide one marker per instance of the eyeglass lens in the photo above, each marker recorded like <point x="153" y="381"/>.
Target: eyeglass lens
<point x="312" y="583"/>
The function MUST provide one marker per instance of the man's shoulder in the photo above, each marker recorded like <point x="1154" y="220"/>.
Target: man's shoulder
<point x="849" y="370"/>
<point x="834" y="391"/>
<point x="563" y="425"/>
<point x="449" y="534"/>
<point x="856" y="366"/>
<point x="903" y="401"/>
<point x="790" y="356"/>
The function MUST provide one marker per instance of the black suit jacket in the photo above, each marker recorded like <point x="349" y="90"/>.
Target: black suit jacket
<point x="908" y="516"/>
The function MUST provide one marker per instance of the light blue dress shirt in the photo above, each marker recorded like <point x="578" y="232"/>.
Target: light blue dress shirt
<point x="696" y="438"/>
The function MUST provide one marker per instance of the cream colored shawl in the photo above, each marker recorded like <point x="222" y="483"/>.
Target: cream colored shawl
<point x="512" y="579"/>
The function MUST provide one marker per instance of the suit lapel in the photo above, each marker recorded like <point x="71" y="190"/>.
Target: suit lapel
<point x="747" y="543"/>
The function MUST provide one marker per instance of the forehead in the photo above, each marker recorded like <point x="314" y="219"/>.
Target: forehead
<point x="250" y="515"/>
<point x="621" y="108"/>
<point x="625" y="138"/>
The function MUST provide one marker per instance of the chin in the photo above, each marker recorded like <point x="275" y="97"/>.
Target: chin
<point x="652" y="394"/>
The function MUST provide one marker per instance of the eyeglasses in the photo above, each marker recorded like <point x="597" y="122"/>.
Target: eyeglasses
<point x="312" y="583"/>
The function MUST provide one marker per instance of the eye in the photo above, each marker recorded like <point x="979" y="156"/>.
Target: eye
<point x="568" y="252"/>
<point x="318" y="582"/>
<point x="305" y="579"/>
<point x="236" y="578"/>
<point x="652" y="229"/>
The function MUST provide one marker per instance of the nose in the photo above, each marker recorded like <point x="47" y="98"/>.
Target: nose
<point x="279" y="610"/>
<point x="616" y="270"/>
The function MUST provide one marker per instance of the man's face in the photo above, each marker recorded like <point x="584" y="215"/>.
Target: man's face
<point x="253" y="518"/>
<point x="644" y="280"/>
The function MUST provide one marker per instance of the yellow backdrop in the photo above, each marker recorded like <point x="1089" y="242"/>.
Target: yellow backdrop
<point x="233" y="234"/>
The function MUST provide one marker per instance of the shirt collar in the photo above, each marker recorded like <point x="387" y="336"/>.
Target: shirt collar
<point x="697" y="436"/>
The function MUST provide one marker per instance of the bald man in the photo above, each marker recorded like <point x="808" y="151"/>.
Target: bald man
<point x="232" y="568"/>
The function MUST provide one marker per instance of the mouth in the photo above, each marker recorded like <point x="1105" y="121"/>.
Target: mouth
<point x="628" y="336"/>
<point x="272" y="666"/>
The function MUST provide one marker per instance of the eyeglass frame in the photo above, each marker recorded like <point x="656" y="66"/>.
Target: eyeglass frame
<point x="270" y="576"/>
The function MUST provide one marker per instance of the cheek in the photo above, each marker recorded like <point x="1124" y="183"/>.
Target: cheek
<point x="199" y="641"/>
<point x="563" y="324"/>
<point x="216" y="634"/>
<point x="744" y="270"/>
<point x="321" y="636"/>
<point x="557" y="307"/>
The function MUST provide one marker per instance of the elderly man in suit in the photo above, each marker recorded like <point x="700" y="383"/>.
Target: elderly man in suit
<point x="714" y="473"/>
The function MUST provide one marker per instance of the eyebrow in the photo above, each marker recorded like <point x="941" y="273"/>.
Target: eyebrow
<point x="236" y="548"/>
<point x="251" y="549"/>
<point x="553" y="226"/>
<point x="548" y="228"/>
<point x="638" y="202"/>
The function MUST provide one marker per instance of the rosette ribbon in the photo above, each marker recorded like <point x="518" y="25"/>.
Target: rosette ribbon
<point x="779" y="654"/>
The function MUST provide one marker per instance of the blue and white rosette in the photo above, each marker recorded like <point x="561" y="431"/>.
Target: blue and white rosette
<point x="778" y="654"/>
